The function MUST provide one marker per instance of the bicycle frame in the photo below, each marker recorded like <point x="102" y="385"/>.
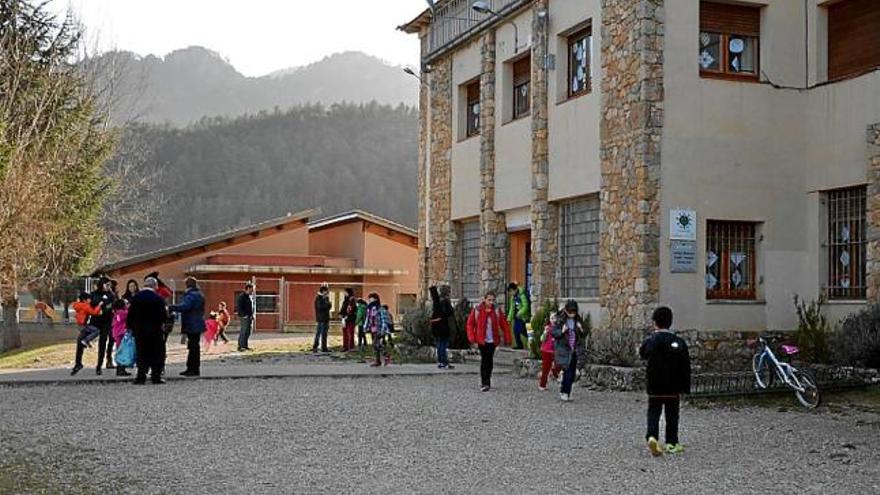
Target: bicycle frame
<point x="783" y="370"/>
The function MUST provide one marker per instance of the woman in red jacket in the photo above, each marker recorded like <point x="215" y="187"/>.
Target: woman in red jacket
<point x="487" y="328"/>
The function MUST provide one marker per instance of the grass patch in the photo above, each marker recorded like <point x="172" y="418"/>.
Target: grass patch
<point x="862" y="399"/>
<point x="40" y="356"/>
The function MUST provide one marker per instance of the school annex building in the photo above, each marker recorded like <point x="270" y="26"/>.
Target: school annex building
<point x="715" y="156"/>
<point x="287" y="259"/>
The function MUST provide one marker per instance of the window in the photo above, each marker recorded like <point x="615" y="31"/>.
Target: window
<point x="472" y="109"/>
<point x="730" y="260"/>
<point x="470" y="260"/>
<point x="853" y="38"/>
<point x="522" y="76"/>
<point x="579" y="248"/>
<point x="266" y="302"/>
<point x="847" y="243"/>
<point x="729" y="37"/>
<point x="579" y="45"/>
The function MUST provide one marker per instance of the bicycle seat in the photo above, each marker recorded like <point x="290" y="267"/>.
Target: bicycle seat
<point x="790" y="350"/>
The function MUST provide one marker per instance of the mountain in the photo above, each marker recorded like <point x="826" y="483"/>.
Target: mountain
<point x="189" y="84"/>
<point x="223" y="173"/>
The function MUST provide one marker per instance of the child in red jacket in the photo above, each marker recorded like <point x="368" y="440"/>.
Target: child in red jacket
<point x="487" y="328"/>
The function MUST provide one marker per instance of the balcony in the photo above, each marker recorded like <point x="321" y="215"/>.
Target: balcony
<point x="455" y="21"/>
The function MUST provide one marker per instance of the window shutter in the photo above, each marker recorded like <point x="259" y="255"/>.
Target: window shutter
<point x="522" y="71"/>
<point x="853" y="37"/>
<point x="731" y="19"/>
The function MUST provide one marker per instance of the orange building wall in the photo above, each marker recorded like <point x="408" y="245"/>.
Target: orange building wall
<point x="381" y="252"/>
<point x="343" y="241"/>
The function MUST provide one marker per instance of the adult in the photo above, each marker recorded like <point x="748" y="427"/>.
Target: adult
<point x="146" y="317"/>
<point x="322" y="318"/>
<point x="131" y="289"/>
<point x="244" y="306"/>
<point x="518" y="313"/>
<point x="166" y="294"/>
<point x="441" y="312"/>
<point x="487" y="328"/>
<point x="103" y="298"/>
<point x="192" y="323"/>
<point x="348" y="314"/>
<point x="571" y="344"/>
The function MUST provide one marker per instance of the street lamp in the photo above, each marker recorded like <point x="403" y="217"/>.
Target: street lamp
<point x="482" y="7"/>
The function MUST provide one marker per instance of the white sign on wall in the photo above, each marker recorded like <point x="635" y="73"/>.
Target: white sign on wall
<point x="683" y="225"/>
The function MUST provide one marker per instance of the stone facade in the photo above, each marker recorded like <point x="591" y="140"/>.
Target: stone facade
<point x="873" y="214"/>
<point x="493" y="235"/>
<point x="424" y="131"/>
<point x="631" y="129"/>
<point x="544" y="215"/>
<point x="442" y="238"/>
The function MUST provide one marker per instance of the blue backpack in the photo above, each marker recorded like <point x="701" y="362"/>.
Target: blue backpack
<point x="125" y="353"/>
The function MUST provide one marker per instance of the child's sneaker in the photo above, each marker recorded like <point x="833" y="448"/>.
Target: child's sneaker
<point x="86" y="343"/>
<point x="654" y="447"/>
<point x="542" y="389"/>
<point x="76" y="369"/>
<point x="450" y="367"/>
<point x="485" y="388"/>
<point x="565" y="397"/>
<point x="674" y="448"/>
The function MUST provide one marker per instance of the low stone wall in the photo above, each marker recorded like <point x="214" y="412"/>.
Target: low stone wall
<point x="428" y="354"/>
<point x="723" y="350"/>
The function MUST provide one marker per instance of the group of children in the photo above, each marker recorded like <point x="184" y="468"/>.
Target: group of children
<point x="370" y="316"/>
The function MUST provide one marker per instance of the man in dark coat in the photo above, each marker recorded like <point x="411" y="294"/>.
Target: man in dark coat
<point x="192" y="323"/>
<point x="146" y="316"/>
<point x="244" y="306"/>
<point x="103" y="298"/>
<point x="322" y="318"/>
<point x="441" y="312"/>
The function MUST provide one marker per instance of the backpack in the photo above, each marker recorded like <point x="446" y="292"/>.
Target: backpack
<point x="125" y="353"/>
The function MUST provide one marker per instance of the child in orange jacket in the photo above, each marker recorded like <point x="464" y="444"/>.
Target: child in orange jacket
<point x="87" y="333"/>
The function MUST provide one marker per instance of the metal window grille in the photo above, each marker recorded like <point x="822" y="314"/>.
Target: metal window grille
<point x="847" y="243"/>
<point x="730" y="260"/>
<point x="470" y="260"/>
<point x="579" y="248"/>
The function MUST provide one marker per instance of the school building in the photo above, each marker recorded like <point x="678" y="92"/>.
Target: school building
<point x="718" y="157"/>
<point x="287" y="259"/>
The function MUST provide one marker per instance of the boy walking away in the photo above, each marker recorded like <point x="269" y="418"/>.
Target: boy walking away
<point x="360" y="321"/>
<point x="548" y="353"/>
<point x="571" y="342"/>
<point x="348" y="314"/>
<point x="669" y="376"/>
<point x="84" y="309"/>
<point x="486" y="329"/>
<point x="518" y="314"/>
<point x="441" y="312"/>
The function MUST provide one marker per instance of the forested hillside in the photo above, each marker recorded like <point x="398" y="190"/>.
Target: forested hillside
<point x="226" y="172"/>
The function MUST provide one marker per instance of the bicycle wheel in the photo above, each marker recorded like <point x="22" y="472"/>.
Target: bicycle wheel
<point x="810" y="397"/>
<point x="762" y="371"/>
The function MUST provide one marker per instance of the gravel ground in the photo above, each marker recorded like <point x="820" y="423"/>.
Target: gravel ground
<point x="410" y="435"/>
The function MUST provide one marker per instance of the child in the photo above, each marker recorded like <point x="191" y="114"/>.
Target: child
<point x="212" y="327"/>
<point x="547" y="353"/>
<point x="570" y="343"/>
<point x="360" y="321"/>
<point x="87" y="333"/>
<point x="222" y="322"/>
<point x="118" y="329"/>
<point x="376" y="322"/>
<point x="390" y="335"/>
<point x="669" y="376"/>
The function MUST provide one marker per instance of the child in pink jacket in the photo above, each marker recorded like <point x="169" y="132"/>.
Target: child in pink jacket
<point x="118" y="329"/>
<point x="547" y="353"/>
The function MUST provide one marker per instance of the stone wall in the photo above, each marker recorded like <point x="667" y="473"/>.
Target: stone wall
<point x="630" y="129"/>
<point x="440" y="184"/>
<point x="424" y="111"/>
<point x="493" y="234"/>
<point x="544" y="215"/>
<point x="873" y="214"/>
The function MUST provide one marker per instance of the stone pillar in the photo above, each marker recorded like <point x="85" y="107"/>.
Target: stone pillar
<point x="631" y="130"/>
<point x="873" y="215"/>
<point x="492" y="224"/>
<point x="544" y="221"/>
<point x="440" y="195"/>
<point x="424" y="112"/>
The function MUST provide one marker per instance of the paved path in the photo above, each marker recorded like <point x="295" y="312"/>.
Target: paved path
<point x="237" y="371"/>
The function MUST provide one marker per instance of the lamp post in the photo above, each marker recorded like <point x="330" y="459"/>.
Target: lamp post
<point x="482" y="7"/>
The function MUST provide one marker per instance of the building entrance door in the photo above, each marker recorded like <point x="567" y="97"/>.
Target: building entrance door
<point x="519" y="267"/>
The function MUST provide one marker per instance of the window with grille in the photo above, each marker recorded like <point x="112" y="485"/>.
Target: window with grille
<point x="847" y="243"/>
<point x="522" y="76"/>
<point x="470" y="260"/>
<point x="579" y="46"/>
<point x="472" y="92"/>
<point x="853" y="38"/>
<point x="579" y="248"/>
<point x="730" y="260"/>
<point x="729" y="38"/>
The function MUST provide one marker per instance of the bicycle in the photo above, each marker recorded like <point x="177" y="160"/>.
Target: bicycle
<point x="764" y="363"/>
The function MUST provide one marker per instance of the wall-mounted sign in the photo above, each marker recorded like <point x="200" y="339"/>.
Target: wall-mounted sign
<point x="683" y="225"/>
<point x="683" y="257"/>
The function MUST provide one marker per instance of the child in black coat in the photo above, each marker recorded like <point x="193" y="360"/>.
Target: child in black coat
<point x="669" y="376"/>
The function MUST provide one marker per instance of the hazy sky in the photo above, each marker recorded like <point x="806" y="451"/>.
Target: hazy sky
<point x="256" y="36"/>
